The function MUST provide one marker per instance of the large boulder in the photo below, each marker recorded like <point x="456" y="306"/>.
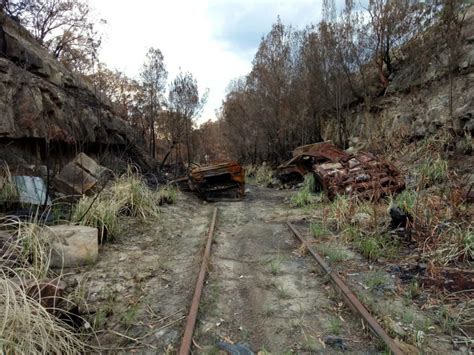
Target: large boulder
<point x="72" y="246"/>
<point x="80" y="175"/>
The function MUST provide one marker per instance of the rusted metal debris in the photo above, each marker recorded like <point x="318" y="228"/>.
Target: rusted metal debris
<point x="337" y="172"/>
<point x="49" y="293"/>
<point x="193" y="311"/>
<point x="220" y="181"/>
<point x="349" y="296"/>
<point x="449" y="279"/>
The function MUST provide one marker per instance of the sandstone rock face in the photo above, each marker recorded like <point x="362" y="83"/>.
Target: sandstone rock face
<point x="41" y="99"/>
<point x="73" y="246"/>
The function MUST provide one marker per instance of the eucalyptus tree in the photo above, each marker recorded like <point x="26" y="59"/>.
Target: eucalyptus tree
<point x="153" y="77"/>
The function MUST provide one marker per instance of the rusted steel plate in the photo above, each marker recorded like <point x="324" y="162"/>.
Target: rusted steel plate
<point x="193" y="311"/>
<point x="349" y="297"/>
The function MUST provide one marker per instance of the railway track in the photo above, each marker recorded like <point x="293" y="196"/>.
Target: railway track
<point x="347" y="295"/>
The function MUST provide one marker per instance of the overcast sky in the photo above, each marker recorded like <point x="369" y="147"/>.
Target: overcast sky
<point x="216" y="40"/>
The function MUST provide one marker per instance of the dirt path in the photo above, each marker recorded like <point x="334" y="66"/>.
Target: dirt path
<point x="262" y="292"/>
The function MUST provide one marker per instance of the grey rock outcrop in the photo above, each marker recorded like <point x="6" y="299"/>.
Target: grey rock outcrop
<point x="41" y="99"/>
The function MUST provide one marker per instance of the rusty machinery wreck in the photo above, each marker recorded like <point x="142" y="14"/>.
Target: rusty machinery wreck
<point x="224" y="181"/>
<point x="338" y="172"/>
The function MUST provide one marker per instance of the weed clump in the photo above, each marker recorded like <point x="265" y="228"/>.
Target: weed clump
<point x="133" y="196"/>
<point x="168" y="194"/>
<point x="304" y="196"/>
<point x="341" y="211"/>
<point x="335" y="253"/>
<point x="250" y="170"/>
<point x="264" y="175"/>
<point x="318" y="230"/>
<point x="100" y="213"/>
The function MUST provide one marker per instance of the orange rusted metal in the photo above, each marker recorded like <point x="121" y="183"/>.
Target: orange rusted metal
<point x="193" y="311"/>
<point x="338" y="172"/>
<point x="363" y="175"/>
<point x="220" y="181"/>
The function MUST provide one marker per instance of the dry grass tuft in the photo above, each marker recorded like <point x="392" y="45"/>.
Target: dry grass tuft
<point x="8" y="190"/>
<point x="128" y="195"/>
<point x="26" y="327"/>
<point x="264" y="175"/>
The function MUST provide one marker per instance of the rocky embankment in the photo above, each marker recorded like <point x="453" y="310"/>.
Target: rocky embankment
<point x="41" y="101"/>
<point x="416" y="102"/>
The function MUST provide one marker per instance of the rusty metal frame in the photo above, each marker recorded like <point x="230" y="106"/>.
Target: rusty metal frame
<point x="349" y="296"/>
<point x="193" y="311"/>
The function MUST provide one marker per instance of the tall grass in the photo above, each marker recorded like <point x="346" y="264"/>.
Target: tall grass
<point x="432" y="171"/>
<point x="26" y="327"/>
<point x="250" y="170"/>
<point x="128" y="195"/>
<point x="27" y="248"/>
<point x="8" y="190"/>
<point x="101" y="213"/>
<point x="133" y="196"/>
<point x="341" y="211"/>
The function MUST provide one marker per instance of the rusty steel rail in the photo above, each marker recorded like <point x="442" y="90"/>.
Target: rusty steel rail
<point x="349" y="296"/>
<point x="193" y="311"/>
